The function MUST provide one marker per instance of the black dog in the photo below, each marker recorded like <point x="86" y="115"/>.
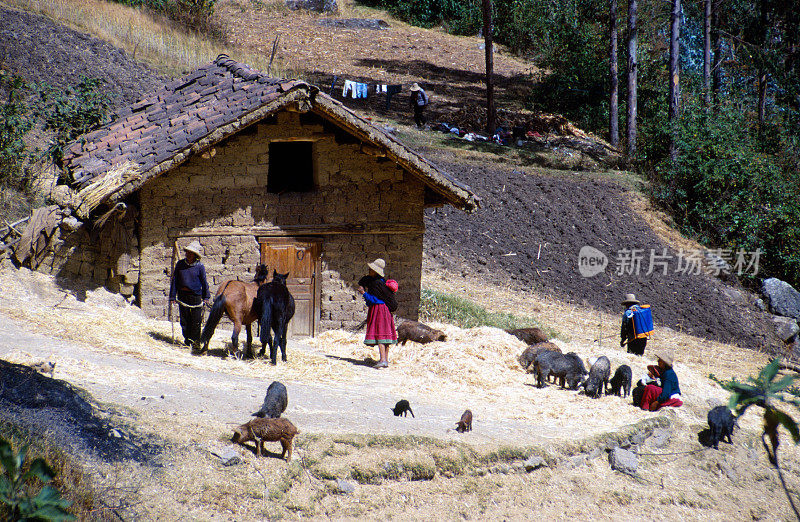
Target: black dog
<point x="402" y="408"/>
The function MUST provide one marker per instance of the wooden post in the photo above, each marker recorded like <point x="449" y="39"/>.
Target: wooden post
<point x="632" y="71"/>
<point x="613" y="72"/>
<point x="707" y="53"/>
<point x="491" y="123"/>
<point x="674" y="72"/>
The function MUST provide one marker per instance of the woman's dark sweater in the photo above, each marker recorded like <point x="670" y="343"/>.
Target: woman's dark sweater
<point x="376" y="286"/>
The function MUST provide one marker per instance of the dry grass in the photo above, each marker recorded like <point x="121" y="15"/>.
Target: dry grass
<point x="431" y="478"/>
<point x="71" y="477"/>
<point x="108" y="324"/>
<point x="598" y="330"/>
<point x="147" y="39"/>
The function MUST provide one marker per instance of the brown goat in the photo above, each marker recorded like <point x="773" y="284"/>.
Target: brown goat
<point x="465" y="424"/>
<point x="270" y="430"/>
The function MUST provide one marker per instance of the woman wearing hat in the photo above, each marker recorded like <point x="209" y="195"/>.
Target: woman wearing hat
<point x="419" y="99"/>
<point x="190" y="289"/>
<point x="380" y="303"/>
<point x="626" y="334"/>
<point x="669" y="393"/>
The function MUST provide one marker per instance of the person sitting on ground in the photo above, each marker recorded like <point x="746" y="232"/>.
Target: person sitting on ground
<point x="669" y="393"/>
<point x="189" y="288"/>
<point x="380" y="303"/>
<point x="627" y="335"/>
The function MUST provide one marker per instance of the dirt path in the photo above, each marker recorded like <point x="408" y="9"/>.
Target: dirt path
<point x="361" y="406"/>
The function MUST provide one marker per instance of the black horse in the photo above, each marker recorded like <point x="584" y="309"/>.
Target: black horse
<point x="277" y="309"/>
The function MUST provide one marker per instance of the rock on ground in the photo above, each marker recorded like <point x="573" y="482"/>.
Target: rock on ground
<point x="318" y="6"/>
<point x="783" y="299"/>
<point x="623" y="461"/>
<point x="345" y="486"/>
<point x="785" y="327"/>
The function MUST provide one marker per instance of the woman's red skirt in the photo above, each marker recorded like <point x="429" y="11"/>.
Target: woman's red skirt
<point x="380" y="326"/>
<point x="651" y="393"/>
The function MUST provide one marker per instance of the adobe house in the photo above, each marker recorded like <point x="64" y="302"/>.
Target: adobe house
<point x="258" y="170"/>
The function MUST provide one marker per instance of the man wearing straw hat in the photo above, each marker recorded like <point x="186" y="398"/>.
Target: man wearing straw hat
<point x="627" y="335"/>
<point x="669" y="393"/>
<point x="190" y="289"/>
<point x="419" y="99"/>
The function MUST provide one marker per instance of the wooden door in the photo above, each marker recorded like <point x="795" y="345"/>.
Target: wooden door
<point x="300" y="257"/>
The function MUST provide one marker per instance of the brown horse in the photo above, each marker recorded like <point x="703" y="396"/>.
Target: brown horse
<point x="237" y="300"/>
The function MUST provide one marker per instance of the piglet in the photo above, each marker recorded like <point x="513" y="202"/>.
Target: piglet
<point x="465" y="424"/>
<point x="721" y="423"/>
<point x="402" y="408"/>
<point x="270" y="430"/>
<point x="621" y="381"/>
<point x="529" y="335"/>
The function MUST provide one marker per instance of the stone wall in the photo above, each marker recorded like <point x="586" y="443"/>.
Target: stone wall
<point x="107" y="257"/>
<point x="229" y="189"/>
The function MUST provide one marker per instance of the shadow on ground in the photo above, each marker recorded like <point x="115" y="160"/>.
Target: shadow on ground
<point x="62" y="413"/>
<point x="369" y="363"/>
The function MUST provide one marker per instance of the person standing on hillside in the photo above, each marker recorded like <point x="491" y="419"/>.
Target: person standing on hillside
<point x="380" y="304"/>
<point x="627" y="335"/>
<point x="418" y="100"/>
<point x="189" y="288"/>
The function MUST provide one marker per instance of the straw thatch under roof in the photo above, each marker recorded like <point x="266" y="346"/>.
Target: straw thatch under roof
<point x="191" y="114"/>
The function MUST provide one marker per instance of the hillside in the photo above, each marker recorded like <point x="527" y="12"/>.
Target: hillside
<point x="533" y="221"/>
<point x="533" y="224"/>
<point x="143" y="419"/>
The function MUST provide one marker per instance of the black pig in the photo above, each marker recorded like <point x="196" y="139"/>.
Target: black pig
<point x="721" y="422"/>
<point x="402" y="408"/>
<point x="275" y="402"/>
<point x="597" y="381"/>
<point x="621" y="381"/>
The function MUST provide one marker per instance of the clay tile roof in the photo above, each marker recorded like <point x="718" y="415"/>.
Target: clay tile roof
<point x="191" y="113"/>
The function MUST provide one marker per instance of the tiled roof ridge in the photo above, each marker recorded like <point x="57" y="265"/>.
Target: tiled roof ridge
<point x="244" y="71"/>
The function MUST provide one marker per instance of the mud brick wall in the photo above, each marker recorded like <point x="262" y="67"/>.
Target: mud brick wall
<point x="75" y="255"/>
<point x="230" y="189"/>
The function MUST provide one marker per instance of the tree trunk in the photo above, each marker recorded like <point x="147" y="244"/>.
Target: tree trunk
<point x="707" y="53"/>
<point x="762" y="72"/>
<point x="674" y="73"/>
<point x="613" y="71"/>
<point x="487" y="38"/>
<point x="716" y="70"/>
<point x="632" y="71"/>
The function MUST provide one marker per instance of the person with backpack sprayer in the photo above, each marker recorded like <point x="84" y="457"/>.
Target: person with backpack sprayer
<point x="418" y="100"/>
<point x="636" y="341"/>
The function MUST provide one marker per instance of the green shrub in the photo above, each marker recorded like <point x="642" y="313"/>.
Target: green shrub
<point x="17" y="488"/>
<point x="73" y="111"/>
<point x="15" y="122"/>
<point x="725" y="190"/>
